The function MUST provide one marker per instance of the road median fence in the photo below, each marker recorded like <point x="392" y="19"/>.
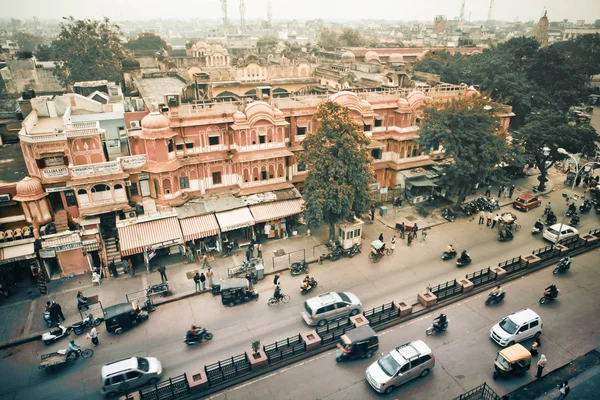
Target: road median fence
<point x="228" y="372"/>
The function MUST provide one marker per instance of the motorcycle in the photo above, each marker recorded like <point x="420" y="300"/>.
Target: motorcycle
<point x="571" y="211"/>
<point x="585" y="207"/>
<point x="48" y="319"/>
<point x="548" y="298"/>
<point x="158" y="288"/>
<point x="332" y="245"/>
<point x="537" y="228"/>
<point x="547" y="210"/>
<point x="505" y="235"/>
<point x="437" y="328"/>
<point x="59" y="332"/>
<point x="298" y="268"/>
<point x="203" y="334"/>
<point x="563" y="265"/>
<point x="551" y="219"/>
<point x="333" y="255"/>
<point x="79" y="327"/>
<point x="448" y="255"/>
<point x="494" y="298"/>
<point x="574" y="220"/>
<point x="311" y="285"/>
<point x="352" y="251"/>
<point x="461" y="262"/>
<point x="448" y="214"/>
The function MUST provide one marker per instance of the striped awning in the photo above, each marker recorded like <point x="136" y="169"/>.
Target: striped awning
<point x="154" y="234"/>
<point x="275" y="210"/>
<point x="91" y="245"/>
<point x="16" y="253"/>
<point x="61" y="241"/>
<point x="235" y="219"/>
<point x="199" y="227"/>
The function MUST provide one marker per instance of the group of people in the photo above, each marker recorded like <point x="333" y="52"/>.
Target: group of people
<point x="200" y="279"/>
<point x="56" y="313"/>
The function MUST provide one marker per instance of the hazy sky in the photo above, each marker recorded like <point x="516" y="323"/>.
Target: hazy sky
<point x="507" y="10"/>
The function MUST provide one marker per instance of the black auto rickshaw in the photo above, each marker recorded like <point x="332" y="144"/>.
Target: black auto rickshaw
<point x="361" y="342"/>
<point x="123" y="316"/>
<point x="512" y="361"/>
<point x="236" y="291"/>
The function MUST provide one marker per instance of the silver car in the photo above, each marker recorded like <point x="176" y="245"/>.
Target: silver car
<point x="406" y="362"/>
<point x="330" y="306"/>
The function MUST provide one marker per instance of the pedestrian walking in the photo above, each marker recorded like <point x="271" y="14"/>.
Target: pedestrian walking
<point x="393" y="245"/>
<point x="189" y="255"/>
<point x="81" y="301"/>
<point x="481" y="217"/>
<point x="495" y="220"/>
<point x="210" y="274"/>
<point x="424" y="234"/>
<point x="505" y="191"/>
<point x="541" y="364"/>
<point x="124" y="265"/>
<point x="409" y="239"/>
<point x="277" y="279"/>
<point x="381" y="237"/>
<point x="534" y="347"/>
<point x="259" y="250"/>
<point x="248" y="254"/>
<point x="197" y="281"/>
<point x="93" y="335"/>
<point x="112" y="268"/>
<point x="563" y="390"/>
<point x="53" y="317"/>
<point x="130" y="266"/>
<point x="372" y="214"/>
<point x="488" y="191"/>
<point x="57" y="309"/>
<point x="511" y="191"/>
<point x="163" y="273"/>
<point x="402" y="229"/>
<point x="500" y="189"/>
<point x="415" y="229"/>
<point x="578" y="180"/>
<point x="203" y="281"/>
<point x="490" y="216"/>
<point x="205" y="261"/>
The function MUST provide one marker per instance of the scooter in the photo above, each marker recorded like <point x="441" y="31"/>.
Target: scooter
<point x="202" y="335"/>
<point x="59" y="332"/>
<point x="79" y="327"/>
<point x="461" y="262"/>
<point x="298" y="268"/>
<point x="448" y="255"/>
<point x="494" y="298"/>
<point x="311" y="285"/>
<point x="437" y="328"/>
<point x="537" y="228"/>
<point x="563" y="265"/>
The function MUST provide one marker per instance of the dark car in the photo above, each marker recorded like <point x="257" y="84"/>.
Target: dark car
<point x="526" y="202"/>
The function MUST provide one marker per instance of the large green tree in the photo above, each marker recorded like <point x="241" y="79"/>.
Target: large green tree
<point x="328" y="39"/>
<point x="583" y="52"/>
<point x="147" y="41"/>
<point x="450" y="67"/>
<point x="351" y="38"/>
<point x="88" y="50"/>
<point x="545" y="133"/>
<point x="339" y="168"/>
<point x="27" y="41"/>
<point x="468" y="128"/>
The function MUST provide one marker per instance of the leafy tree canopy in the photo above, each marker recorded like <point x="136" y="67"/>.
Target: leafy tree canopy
<point x="27" y="41"/>
<point x="88" y="50"/>
<point x="449" y="66"/>
<point x="469" y="130"/>
<point x="148" y="41"/>
<point x="44" y="53"/>
<point x="339" y="168"/>
<point x="351" y="38"/>
<point x="583" y="52"/>
<point x="328" y="39"/>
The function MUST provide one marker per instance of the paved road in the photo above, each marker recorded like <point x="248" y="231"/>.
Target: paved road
<point x="464" y="354"/>
<point x="398" y="277"/>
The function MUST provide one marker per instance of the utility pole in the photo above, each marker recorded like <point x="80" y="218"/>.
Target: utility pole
<point x="224" y="12"/>
<point x="462" y="11"/>
<point x="242" y="16"/>
<point x="490" y="10"/>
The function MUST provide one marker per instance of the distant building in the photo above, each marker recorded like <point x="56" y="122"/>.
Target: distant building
<point x="439" y="24"/>
<point x="25" y="74"/>
<point x="541" y="31"/>
<point x="573" y="33"/>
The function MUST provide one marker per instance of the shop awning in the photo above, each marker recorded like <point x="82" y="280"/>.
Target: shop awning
<point x="91" y="245"/>
<point x="16" y="253"/>
<point x="154" y="234"/>
<point x="235" y="219"/>
<point x="275" y="210"/>
<point x="199" y="227"/>
<point x="421" y="181"/>
<point x="61" y="241"/>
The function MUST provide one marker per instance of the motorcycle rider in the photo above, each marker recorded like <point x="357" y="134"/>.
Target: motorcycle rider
<point x="539" y="225"/>
<point x="548" y="209"/>
<point x="450" y="249"/>
<point x="565" y="262"/>
<point x="497" y="291"/>
<point x="73" y="348"/>
<point x="193" y="333"/>
<point x="551" y="217"/>
<point x="306" y="283"/>
<point x="551" y="291"/>
<point x="464" y="256"/>
<point x="440" y="321"/>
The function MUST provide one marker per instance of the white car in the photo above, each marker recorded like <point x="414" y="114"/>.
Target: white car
<point x="122" y="375"/>
<point x="517" y="327"/>
<point x="551" y="233"/>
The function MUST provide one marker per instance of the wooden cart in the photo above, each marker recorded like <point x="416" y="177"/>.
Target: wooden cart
<point x="52" y="362"/>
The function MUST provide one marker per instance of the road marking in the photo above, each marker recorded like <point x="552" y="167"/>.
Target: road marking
<point x="252" y="382"/>
<point x="29" y="318"/>
<point x="306" y="362"/>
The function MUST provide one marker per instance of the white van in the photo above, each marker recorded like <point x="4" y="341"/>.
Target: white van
<point x="517" y="327"/>
<point x="123" y="375"/>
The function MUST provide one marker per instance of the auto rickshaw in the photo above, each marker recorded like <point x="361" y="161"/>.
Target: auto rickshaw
<point x="512" y="361"/>
<point x="236" y="291"/>
<point x="361" y="342"/>
<point x="123" y="316"/>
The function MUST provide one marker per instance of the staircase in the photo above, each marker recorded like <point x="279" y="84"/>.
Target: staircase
<point x="113" y="253"/>
<point x="61" y="221"/>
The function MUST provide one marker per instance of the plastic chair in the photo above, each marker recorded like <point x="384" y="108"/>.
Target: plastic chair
<point x="18" y="233"/>
<point x="95" y="278"/>
<point x="8" y="235"/>
<point x="2" y="237"/>
<point x="26" y="231"/>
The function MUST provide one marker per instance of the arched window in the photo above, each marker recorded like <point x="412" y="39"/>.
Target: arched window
<point x="409" y="151"/>
<point x="271" y="171"/>
<point x="246" y="175"/>
<point x="100" y="193"/>
<point x="120" y="194"/>
<point x="280" y="171"/>
<point x="402" y="152"/>
<point x="167" y="186"/>
<point x="83" y="197"/>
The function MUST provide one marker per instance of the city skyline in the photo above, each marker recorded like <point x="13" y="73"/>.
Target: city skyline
<point x="505" y="10"/>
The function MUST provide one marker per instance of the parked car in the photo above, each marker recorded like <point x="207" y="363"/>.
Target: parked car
<point x="404" y="363"/>
<point x="330" y="306"/>
<point x="526" y="202"/>
<point x="122" y="375"/>
<point x="551" y="233"/>
<point x="517" y="327"/>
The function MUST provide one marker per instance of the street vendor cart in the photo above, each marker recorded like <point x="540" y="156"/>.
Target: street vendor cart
<point x="52" y="362"/>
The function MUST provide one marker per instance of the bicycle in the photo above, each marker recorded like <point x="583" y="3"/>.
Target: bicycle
<point x="274" y="301"/>
<point x="389" y="252"/>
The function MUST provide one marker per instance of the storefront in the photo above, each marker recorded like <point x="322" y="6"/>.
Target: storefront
<point x="203" y="230"/>
<point x="237" y="224"/>
<point x="17" y="263"/>
<point x="136" y="238"/>
<point x="272" y="218"/>
<point x="63" y="255"/>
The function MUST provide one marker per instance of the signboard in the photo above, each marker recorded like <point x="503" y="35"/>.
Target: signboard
<point x="133" y="162"/>
<point x="383" y="190"/>
<point x="54" y="161"/>
<point x="67" y="246"/>
<point x="59" y="189"/>
<point x="47" y="253"/>
<point x="55" y="172"/>
<point x="87" y="242"/>
<point x="102" y="169"/>
<point x="142" y="177"/>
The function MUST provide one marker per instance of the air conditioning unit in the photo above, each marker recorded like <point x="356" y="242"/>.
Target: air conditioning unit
<point x="4" y="198"/>
<point x="134" y="124"/>
<point x="130" y="213"/>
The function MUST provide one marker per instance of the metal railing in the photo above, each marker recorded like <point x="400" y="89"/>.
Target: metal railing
<point x="287" y="259"/>
<point x="381" y="314"/>
<point x="173" y="388"/>
<point x="508" y="263"/>
<point x="331" y="332"/>
<point x="513" y="265"/>
<point x="481" y="277"/>
<point x="594" y="231"/>
<point x="284" y="349"/>
<point x="227" y="369"/>
<point x="545" y="252"/>
<point x="446" y="289"/>
<point x="480" y="392"/>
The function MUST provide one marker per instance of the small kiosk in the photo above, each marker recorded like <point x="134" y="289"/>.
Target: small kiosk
<point x="350" y="233"/>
